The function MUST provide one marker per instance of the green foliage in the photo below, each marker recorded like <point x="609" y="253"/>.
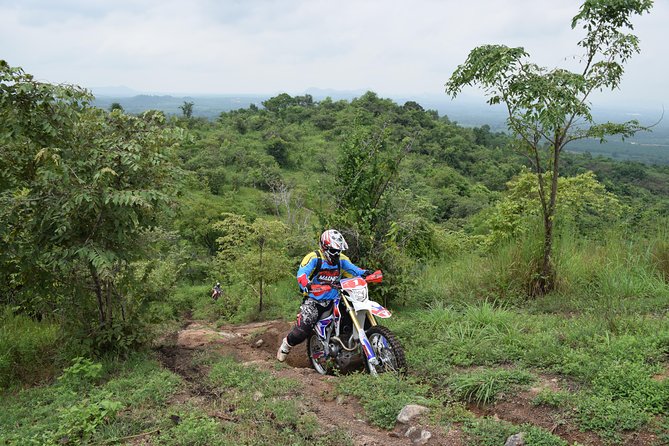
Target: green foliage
<point x="556" y="399"/>
<point x="82" y="373"/>
<point x="632" y="381"/>
<point x="79" y="422"/>
<point x="545" y="107"/>
<point x="608" y="417"/>
<point x="187" y="109"/>
<point x="252" y="253"/>
<point x="490" y="432"/>
<point x="81" y="186"/>
<point x="228" y="374"/>
<point x="128" y="395"/>
<point x="485" y="386"/>
<point x="383" y="397"/>
<point x="27" y="348"/>
<point x="585" y="204"/>
<point x="194" y="429"/>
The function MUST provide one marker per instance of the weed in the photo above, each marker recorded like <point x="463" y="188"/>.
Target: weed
<point x="490" y="432"/>
<point x="194" y="429"/>
<point x="27" y="349"/>
<point x="383" y="397"/>
<point x="82" y="373"/>
<point x="485" y="386"/>
<point x="551" y="398"/>
<point x="229" y="374"/>
<point x="608" y="417"/>
<point x="79" y="422"/>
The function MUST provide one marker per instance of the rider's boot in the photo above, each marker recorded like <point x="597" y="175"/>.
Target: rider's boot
<point x="283" y="351"/>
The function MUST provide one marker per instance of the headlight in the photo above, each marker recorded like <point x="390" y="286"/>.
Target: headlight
<point x="357" y="294"/>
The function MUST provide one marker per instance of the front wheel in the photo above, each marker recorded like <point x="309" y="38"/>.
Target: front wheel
<point x="316" y="354"/>
<point x="387" y="349"/>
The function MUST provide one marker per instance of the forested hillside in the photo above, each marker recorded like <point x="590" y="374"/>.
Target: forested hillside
<point x="114" y="227"/>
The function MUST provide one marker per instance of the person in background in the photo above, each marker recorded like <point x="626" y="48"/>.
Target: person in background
<point x="317" y="273"/>
<point x="216" y="291"/>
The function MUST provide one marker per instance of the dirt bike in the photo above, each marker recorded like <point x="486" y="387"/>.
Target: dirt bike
<point x="215" y="293"/>
<point x="348" y="337"/>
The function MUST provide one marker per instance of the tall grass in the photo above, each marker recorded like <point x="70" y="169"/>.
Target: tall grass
<point x="27" y="349"/>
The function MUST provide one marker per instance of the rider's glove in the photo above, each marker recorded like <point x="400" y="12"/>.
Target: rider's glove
<point x="366" y="273"/>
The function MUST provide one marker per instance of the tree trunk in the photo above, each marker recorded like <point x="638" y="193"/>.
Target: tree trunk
<point x="261" y="280"/>
<point x="546" y="280"/>
<point x="545" y="283"/>
<point x="98" y="293"/>
<point x="109" y="302"/>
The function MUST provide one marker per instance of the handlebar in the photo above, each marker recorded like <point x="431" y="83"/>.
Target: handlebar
<point x="375" y="277"/>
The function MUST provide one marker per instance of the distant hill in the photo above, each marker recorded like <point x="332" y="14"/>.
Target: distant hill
<point x="648" y="147"/>
<point x="203" y="106"/>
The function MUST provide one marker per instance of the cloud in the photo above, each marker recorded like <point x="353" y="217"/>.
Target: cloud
<point x="268" y="46"/>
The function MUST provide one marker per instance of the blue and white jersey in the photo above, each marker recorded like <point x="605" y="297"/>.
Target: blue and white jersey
<point x="327" y="274"/>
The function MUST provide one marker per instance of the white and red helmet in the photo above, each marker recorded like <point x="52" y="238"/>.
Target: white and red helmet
<point x="332" y="244"/>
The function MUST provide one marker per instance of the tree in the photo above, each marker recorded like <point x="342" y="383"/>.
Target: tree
<point x="252" y="253"/>
<point x="79" y="188"/>
<point x="548" y="109"/>
<point x="115" y="106"/>
<point x="187" y="109"/>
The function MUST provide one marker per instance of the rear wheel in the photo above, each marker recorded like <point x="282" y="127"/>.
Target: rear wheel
<point x="316" y="354"/>
<point x="387" y="349"/>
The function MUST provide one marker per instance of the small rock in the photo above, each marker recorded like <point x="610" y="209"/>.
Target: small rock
<point x="341" y="399"/>
<point x="257" y="396"/>
<point x="424" y="437"/>
<point x="515" y="440"/>
<point x="259" y="343"/>
<point x="417" y="435"/>
<point x="411" y="411"/>
<point x="393" y="434"/>
<point x="411" y="432"/>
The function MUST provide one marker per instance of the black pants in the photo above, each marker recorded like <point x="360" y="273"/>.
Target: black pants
<point x="311" y="312"/>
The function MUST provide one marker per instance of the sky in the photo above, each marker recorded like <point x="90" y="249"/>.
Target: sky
<point x="392" y="47"/>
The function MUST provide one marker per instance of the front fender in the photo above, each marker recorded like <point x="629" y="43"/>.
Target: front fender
<point x="375" y="308"/>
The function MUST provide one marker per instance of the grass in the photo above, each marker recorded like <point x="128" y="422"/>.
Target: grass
<point x="485" y="386"/>
<point x="110" y="402"/>
<point x="491" y="432"/>
<point x="604" y="330"/>
<point x="470" y="338"/>
<point x="28" y="349"/>
<point x="383" y="397"/>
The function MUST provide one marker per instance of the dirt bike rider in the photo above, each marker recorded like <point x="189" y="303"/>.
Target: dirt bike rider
<point x="318" y="270"/>
<point x="216" y="291"/>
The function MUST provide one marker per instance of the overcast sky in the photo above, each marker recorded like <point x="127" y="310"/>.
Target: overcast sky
<point x="270" y="46"/>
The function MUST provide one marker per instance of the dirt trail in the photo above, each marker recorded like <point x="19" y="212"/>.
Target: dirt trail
<point x="256" y="344"/>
